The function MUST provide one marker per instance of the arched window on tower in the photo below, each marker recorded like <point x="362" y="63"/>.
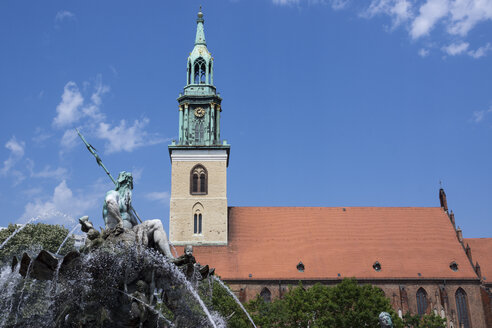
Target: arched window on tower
<point x="200" y="72"/>
<point x="421" y="302"/>
<point x="197" y="218"/>
<point x="198" y="180"/>
<point x="266" y="294"/>
<point x="462" y="307"/>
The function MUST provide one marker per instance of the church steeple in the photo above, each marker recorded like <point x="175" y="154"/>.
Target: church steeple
<point x="199" y="104"/>
<point x="199" y="159"/>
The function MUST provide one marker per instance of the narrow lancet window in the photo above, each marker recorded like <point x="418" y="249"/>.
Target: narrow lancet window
<point x="462" y="307"/>
<point x="200" y="223"/>
<point x="421" y="302"/>
<point x="195" y="228"/>
<point x="194" y="183"/>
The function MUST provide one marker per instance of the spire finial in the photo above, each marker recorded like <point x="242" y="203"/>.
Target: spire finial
<point x="200" y="14"/>
<point x="200" y="34"/>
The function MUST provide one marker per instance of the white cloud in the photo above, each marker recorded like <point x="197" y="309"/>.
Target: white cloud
<point x="93" y="109"/>
<point x="465" y="14"/>
<point x="429" y="14"/>
<point x="71" y="109"/>
<point x="424" y="52"/>
<point x="68" y="110"/>
<point x="456" y="48"/>
<point x="127" y="138"/>
<point x="480" y="52"/>
<point x="63" y="14"/>
<point x="161" y="196"/>
<point x="69" y="138"/>
<point x="479" y="115"/>
<point x="16" y="149"/>
<point x="399" y="10"/>
<point x="122" y="137"/>
<point x="64" y="203"/>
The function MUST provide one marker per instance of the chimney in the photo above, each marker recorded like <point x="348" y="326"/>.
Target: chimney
<point x="442" y="199"/>
<point x="451" y="217"/>
<point x="459" y="234"/>
<point x="478" y="270"/>
<point x="468" y="252"/>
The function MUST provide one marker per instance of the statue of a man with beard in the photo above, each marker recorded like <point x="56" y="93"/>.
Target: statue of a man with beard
<point x="118" y="213"/>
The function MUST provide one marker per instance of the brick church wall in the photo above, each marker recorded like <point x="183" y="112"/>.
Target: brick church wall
<point x="402" y="296"/>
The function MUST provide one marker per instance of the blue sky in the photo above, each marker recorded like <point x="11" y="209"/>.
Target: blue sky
<point x="326" y="103"/>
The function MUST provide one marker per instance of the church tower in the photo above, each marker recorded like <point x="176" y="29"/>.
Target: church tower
<point x="199" y="159"/>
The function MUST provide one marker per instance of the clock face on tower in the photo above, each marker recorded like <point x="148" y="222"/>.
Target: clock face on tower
<point x="199" y="112"/>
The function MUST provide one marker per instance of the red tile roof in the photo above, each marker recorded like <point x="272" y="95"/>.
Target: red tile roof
<point x="481" y="250"/>
<point x="269" y="242"/>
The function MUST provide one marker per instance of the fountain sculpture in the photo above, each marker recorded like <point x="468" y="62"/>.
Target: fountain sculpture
<point x="116" y="280"/>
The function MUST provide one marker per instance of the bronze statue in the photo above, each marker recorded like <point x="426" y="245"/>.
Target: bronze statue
<point x="385" y="320"/>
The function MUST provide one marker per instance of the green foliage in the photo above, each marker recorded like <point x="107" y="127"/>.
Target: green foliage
<point x="426" y="321"/>
<point x="34" y="236"/>
<point x="222" y="302"/>
<point x="345" y="305"/>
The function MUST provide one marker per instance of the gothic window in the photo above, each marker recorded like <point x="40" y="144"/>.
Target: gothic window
<point x="198" y="183"/>
<point x="266" y="295"/>
<point x="199" y="132"/>
<point x="197" y="213"/>
<point x="200" y="73"/>
<point x="462" y="307"/>
<point x="421" y="302"/>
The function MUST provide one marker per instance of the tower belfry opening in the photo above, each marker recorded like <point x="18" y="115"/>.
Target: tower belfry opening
<point x="199" y="158"/>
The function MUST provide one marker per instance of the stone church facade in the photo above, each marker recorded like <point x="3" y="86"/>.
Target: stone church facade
<point x="416" y="255"/>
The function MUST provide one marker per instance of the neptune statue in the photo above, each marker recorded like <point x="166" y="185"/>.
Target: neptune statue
<point x="118" y="214"/>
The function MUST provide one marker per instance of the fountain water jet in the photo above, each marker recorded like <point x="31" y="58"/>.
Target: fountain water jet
<point x="68" y="236"/>
<point x="235" y="298"/>
<point x="17" y="231"/>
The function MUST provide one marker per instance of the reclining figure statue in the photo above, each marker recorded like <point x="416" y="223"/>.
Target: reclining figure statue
<point x="118" y="214"/>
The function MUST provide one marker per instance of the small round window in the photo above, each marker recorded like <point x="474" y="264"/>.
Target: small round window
<point x="376" y="266"/>
<point x="300" y="267"/>
<point x="453" y="266"/>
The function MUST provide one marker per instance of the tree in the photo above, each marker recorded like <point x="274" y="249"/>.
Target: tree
<point x="33" y="238"/>
<point x="426" y="321"/>
<point x="222" y="302"/>
<point x="345" y="305"/>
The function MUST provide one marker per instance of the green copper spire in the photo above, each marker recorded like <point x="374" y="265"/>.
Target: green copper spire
<point x="200" y="104"/>
<point x="200" y="33"/>
<point x="200" y="61"/>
